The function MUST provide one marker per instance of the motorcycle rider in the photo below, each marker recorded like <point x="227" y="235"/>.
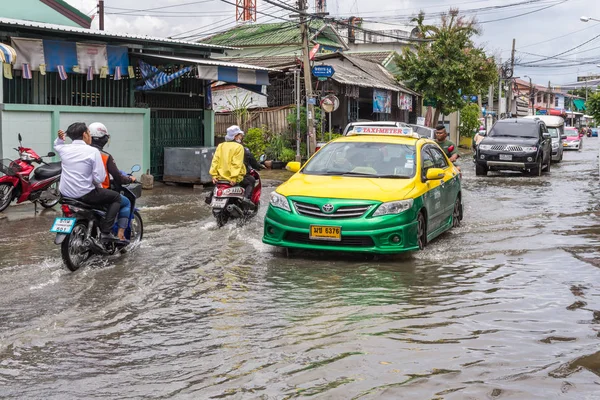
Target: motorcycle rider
<point x="100" y="138"/>
<point x="83" y="173"/>
<point x="228" y="164"/>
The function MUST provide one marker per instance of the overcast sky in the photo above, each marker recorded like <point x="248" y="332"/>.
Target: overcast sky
<point x="547" y="32"/>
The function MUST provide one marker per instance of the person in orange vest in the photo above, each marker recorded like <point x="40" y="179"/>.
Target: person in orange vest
<point x="100" y="138"/>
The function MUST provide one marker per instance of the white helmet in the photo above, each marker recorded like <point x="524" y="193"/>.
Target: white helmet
<point x="98" y="130"/>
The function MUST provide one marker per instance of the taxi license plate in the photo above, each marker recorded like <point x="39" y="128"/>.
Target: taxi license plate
<point x="63" y="225"/>
<point x="506" y="157"/>
<point x="218" y="203"/>
<point x="325" y="233"/>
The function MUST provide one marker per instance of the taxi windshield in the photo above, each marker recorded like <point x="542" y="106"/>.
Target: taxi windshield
<point x="364" y="159"/>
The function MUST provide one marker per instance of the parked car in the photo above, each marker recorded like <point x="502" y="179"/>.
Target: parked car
<point x="556" y="127"/>
<point x="515" y="144"/>
<point x="423" y="131"/>
<point x="594" y="132"/>
<point x="367" y="192"/>
<point x="574" y="139"/>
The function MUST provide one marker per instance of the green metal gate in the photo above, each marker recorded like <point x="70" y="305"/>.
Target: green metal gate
<point x="173" y="128"/>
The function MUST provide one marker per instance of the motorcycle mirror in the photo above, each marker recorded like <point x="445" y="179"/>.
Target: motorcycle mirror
<point x="20" y="138"/>
<point x="135" y="168"/>
<point x="51" y="154"/>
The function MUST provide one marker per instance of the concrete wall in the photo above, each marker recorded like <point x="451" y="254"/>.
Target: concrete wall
<point x="129" y="129"/>
<point x="34" y="10"/>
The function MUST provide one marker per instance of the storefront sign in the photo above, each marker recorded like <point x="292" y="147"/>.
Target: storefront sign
<point x="382" y="101"/>
<point x="405" y="101"/>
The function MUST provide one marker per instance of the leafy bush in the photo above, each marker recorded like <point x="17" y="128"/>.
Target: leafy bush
<point x="469" y="120"/>
<point x="275" y="148"/>
<point x="287" y="155"/>
<point x="255" y="141"/>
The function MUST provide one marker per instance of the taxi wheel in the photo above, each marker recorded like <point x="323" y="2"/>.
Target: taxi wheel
<point x="421" y="231"/>
<point x="457" y="213"/>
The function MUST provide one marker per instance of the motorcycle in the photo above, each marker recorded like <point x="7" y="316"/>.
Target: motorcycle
<point x="78" y="232"/>
<point x="16" y="183"/>
<point x="226" y="201"/>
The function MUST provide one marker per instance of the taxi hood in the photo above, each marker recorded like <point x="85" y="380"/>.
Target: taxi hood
<point x="345" y="187"/>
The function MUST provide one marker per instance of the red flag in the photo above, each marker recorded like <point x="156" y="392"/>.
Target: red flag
<point x="314" y="51"/>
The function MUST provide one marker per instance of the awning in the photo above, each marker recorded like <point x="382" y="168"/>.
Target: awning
<point x="215" y="70"/>
<point x="8" y="55"/>
<point x="579" y="104"/>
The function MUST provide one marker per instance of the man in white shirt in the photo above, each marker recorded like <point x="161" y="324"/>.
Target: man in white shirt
<point x="83" y="173"/>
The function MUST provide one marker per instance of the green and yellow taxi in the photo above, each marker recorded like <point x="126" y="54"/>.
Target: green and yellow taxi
<point x="376" y="190"/>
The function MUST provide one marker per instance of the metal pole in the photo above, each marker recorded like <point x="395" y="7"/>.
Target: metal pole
<point x="310" y="108"/>
<point x="330" y="115"/>
<point x="101" y="14"/>
<point x="298" y="131"/>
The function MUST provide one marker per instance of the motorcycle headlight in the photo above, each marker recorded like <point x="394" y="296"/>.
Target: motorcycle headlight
<point x="393" y="207"/>
<point x="529" y="149"/>
<point x="280" y="201"/>
<point x="485" y="146"/>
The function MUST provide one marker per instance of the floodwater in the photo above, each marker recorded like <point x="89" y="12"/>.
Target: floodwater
<point x="505" y="307"/>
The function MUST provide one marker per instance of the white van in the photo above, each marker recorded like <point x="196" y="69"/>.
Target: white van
<point x="556" y="127"/>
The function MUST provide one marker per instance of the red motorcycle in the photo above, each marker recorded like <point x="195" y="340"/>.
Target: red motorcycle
<point x="16" y="183"/>
<point x="226" y="201"/>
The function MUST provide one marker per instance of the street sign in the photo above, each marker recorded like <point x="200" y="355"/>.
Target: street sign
<point x="322" y="78"/>
<point x="326" y="71"/>
<point x="312" y="100"/>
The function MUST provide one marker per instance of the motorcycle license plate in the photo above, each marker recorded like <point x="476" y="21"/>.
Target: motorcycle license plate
<point x="325" y="233"/>
<point x="218" y="203"/>
<point x="506" y="157"/>
<point x="63" y="225"/>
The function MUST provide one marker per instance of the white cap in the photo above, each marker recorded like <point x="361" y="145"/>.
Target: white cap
<point x="232" y="132"/>
<point x="98" y="130"/>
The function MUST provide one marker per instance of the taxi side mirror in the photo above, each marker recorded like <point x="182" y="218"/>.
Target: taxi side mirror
<point x="434" y="174"/>
<point x="293" y="166"/>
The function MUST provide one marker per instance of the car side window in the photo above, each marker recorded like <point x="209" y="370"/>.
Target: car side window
<point x="439" y="161"/>
<point x="426" y="161"/>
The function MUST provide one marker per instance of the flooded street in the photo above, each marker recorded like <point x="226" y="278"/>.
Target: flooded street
<point x="505" y="307"/>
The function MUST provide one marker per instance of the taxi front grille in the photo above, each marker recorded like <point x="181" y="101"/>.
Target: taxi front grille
<point x="312" y="210"/>
<point x="351" y="241"/>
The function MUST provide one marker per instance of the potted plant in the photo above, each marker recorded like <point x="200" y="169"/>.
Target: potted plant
<point x="275" y="150"/>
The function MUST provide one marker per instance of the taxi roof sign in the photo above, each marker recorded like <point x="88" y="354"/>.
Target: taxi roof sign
<point x="384" y="130"/>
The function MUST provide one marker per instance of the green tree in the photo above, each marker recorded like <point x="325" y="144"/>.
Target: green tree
<point x="469" y="120"/>
<point x="448" y="64"/>
<point x="593" y="106"/>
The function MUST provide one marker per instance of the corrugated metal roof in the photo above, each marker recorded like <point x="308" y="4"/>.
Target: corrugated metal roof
<point x="347" y="73"/>
<point x="105" y="34"/>
<point x="380" y="57"/>
<point x="277" y="33"/>
<point x="210" y="61"/>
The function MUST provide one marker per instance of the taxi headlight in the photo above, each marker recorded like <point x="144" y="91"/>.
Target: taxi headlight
<point x="393" y="207"/>
<point x="485" y="146"/>
<point x="280" y="201"/>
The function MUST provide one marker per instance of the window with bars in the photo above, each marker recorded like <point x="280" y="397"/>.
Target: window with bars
<point x="76" y="90"/>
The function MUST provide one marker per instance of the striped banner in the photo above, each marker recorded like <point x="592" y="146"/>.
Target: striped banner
<point x="117" y="73"/>
<point x="61" y="72"/>
<point x="8" y="55"/>
<point x="26" y="71"/>
<point x="90" y="74"/>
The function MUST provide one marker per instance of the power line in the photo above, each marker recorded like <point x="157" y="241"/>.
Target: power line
<point x="160" y="8"/>
<point x="564" y="52"/>
<point x="561" y="36"/>
<point x="527" y="13"/>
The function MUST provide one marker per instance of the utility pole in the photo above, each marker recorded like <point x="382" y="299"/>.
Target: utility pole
<point x="298" y="132"/>
<point x="500" y="91"/>
<point x="548" y="99"/>
<point x="510" y="87"/>
<point x="310" y="108"/>
<point x="101" y="14"/>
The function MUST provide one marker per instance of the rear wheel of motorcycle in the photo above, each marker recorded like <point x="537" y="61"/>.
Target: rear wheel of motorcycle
<point x="137" y="232"/>
<point x="222" y="219"/>
<point x="72" y="249"/>
<point x="54" y="195"/>
<point x="5" y="195"/>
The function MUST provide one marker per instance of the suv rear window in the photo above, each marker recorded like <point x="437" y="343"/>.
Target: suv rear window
<point x="514" y="129"/>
